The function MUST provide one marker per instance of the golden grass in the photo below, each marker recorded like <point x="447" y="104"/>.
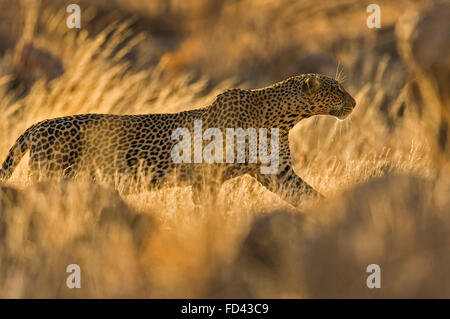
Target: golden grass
<point x="384" y="202"/>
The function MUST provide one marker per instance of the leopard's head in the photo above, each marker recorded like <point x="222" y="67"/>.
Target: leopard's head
<point x="322" y="95"/>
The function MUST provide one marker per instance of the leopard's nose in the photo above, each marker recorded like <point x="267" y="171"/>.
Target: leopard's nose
<point x="351" y="101"/>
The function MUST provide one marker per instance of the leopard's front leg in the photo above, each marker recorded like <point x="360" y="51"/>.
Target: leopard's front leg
<point x="285" y="182"/>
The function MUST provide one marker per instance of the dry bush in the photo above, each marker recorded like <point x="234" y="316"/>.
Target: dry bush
<point x="423" y="43"/>
<point x="324" y="253"/>
<point x="43" y="231"/>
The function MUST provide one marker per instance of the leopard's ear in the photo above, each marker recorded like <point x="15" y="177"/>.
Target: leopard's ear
<point x="311" y="85"/>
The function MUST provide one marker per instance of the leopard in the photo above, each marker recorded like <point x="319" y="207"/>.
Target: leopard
<point x="138" y="148"/>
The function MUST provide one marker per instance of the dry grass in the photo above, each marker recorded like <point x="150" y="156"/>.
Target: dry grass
<point x="386" y="201"/>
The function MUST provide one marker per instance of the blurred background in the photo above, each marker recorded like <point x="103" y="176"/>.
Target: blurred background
<point x="385" y="170"/>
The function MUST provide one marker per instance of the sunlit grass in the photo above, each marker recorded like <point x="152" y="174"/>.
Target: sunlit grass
<point x="158" y="244"/>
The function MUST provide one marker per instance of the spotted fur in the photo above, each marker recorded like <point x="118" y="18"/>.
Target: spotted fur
<point x="138" y="148"/>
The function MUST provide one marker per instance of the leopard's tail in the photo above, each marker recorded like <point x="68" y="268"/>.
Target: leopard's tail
<point x="15" y="155"/>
